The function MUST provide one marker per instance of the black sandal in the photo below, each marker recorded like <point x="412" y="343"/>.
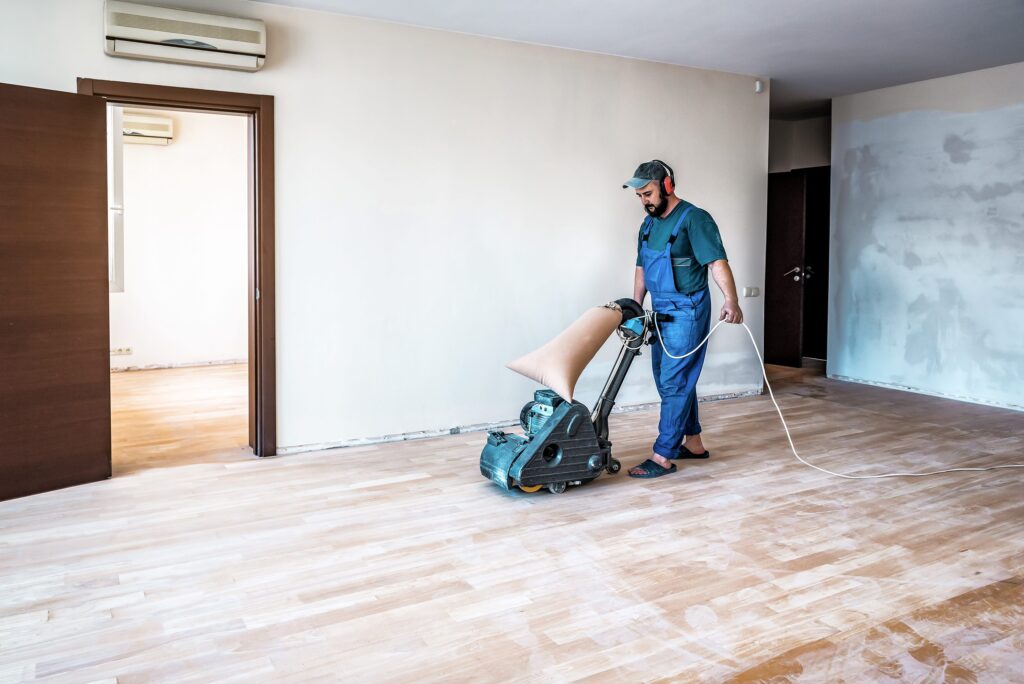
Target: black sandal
<point x="686" y="453"/>
<point x="649" y="469"/>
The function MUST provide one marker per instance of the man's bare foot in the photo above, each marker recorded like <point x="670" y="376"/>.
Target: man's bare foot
<point x="694" y="445"/>
<point x="660" y="460"/>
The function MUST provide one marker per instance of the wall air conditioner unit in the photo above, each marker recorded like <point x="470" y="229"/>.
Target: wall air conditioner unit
<point x="143" y="128"/>
<point x="169" y="35"/>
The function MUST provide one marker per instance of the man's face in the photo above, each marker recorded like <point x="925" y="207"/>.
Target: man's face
<point x="652" y="198"/>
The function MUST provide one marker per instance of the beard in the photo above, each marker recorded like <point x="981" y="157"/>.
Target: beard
<point x="657" y="209"/>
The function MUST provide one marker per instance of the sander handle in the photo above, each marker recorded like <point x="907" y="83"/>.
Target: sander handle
<point x="630" y="309"/>
<point x="606" y="400"/>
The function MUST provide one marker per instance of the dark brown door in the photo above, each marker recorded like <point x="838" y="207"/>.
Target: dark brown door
<point x="815" y="280"/>
<point x="784" y="269"/>
<point x="54" y="336"/>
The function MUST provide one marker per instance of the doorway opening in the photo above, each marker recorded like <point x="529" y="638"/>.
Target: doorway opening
<point x="796" y="268"/>
<point x="256" y="111"/>
<point x="177" y="259"/>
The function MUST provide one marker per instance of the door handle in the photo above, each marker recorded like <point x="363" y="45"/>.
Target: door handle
<point x="796" y="270"/>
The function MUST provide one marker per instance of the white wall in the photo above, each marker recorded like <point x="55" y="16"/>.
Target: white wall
<point x="798" y="144"/>
<point x="186" y="246"/>
<point x="927" y="250"/>
<point x="447" y="202"/>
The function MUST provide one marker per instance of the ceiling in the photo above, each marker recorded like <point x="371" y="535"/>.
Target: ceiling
<point x="812" y="50"/>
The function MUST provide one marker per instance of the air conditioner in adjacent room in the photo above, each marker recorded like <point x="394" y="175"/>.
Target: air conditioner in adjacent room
<point x="142" y="128"/>
<point x="171" y="35"/>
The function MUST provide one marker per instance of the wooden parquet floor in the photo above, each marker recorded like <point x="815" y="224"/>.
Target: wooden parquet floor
<point x="172" y="417"/>
<point x="400" y="563"/>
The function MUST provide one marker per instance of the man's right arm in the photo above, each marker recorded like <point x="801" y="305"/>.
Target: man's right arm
<point x="639" y="289"/>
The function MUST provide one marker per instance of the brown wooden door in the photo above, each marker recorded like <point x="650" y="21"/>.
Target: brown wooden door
<point x="54" y="335"/>
<point x="784" y="270"/>
<point x="816" y="234"/>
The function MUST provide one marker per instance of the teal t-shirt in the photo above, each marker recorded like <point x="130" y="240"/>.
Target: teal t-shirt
<point x="699" y="243"/>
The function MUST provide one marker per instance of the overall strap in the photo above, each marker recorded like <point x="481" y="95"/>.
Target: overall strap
<point x="679" y="224"/>
<point x="646" y="227"/>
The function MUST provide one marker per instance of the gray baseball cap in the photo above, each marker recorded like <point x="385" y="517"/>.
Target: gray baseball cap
<point x="645" y="173"/>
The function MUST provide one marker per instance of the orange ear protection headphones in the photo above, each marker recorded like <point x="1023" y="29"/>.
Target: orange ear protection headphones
<point x="668" y="183"/>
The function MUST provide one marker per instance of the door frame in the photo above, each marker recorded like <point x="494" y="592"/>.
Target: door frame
<point x="261" y="291"/>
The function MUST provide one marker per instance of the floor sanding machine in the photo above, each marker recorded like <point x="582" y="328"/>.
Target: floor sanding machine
<point x="563" y="443"/>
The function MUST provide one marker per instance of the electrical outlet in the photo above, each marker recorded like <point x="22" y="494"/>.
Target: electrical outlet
<point x="121" y="351"/>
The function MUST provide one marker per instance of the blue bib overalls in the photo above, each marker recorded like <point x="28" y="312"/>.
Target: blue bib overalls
<point x="676" y="379"/>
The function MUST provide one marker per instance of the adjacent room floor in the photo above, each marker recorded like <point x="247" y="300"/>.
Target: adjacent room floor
<point x="174" y="416"/>
<point x="399" y="562"/>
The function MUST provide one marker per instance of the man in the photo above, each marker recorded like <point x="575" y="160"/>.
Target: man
<point x="678" y="243"/>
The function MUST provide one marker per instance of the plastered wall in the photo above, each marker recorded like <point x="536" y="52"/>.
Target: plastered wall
<point x="927" y="243"/>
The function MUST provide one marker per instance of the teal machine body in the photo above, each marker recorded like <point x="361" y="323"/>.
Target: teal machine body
<point x="564" y="443"/>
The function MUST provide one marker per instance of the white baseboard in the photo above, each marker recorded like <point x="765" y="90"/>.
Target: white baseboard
<point x="915" y="390"/>
<point x="192" y="364"/>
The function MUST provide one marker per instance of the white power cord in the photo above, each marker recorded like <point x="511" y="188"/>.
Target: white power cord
<point x="653" y="319"/>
